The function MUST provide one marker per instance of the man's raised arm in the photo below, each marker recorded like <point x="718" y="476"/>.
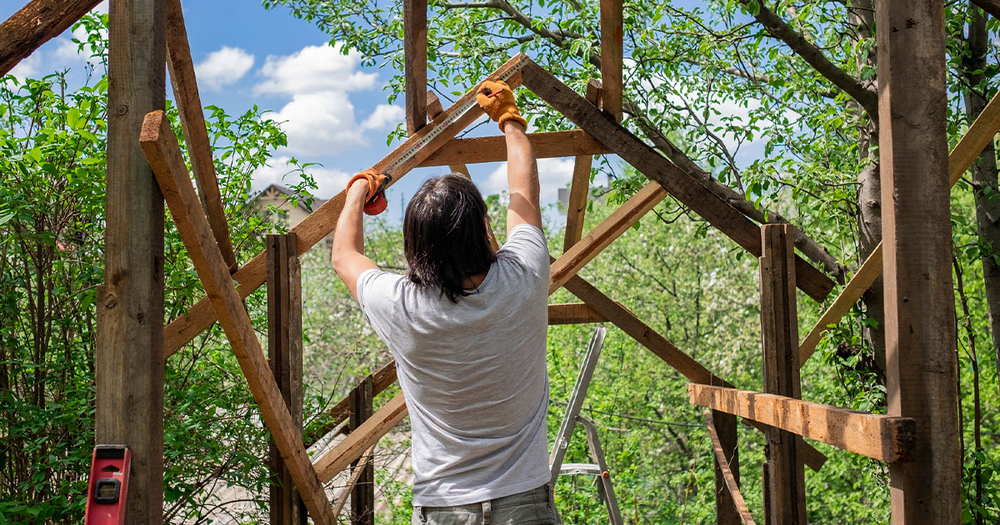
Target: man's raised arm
<point x="498" y="102"/>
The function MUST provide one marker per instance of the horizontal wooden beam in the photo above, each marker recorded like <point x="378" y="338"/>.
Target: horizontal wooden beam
<point x="968" y="149"/>
<point x="682" y="185"/>
<point x="321" y="222"/>
<point x="35" y="24"/>
<point x="494" y="149"/>
<point x="573" y="313"/>
<point x="727" y="473"/>
<point x="569" y="263"/>
<point x="361" y="439"/>
<point x="164" y="155"/>
<point x="383" y="378"/>
<point x="885" y="438"/>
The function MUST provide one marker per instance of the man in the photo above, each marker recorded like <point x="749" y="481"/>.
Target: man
<point x="467" y="327"/>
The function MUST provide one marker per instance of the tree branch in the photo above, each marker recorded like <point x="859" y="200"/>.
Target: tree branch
<point x="778" y="28"/>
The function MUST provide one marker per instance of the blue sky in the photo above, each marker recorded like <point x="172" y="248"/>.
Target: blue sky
<point x="334" y="111"/>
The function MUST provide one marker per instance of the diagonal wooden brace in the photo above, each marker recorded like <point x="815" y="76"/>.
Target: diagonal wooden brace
<point x="164" y="155"/>
<point x="677" y="182"/>
<point x="321" y="222"/>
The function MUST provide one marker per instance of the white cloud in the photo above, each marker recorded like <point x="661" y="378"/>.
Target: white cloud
<point x="552" y="175"/>
<point x="319" y="123"/>
<point x="314" y="69"/>
<point x="385" y="116"/>
<point x="223" y="67"/>
<point x="329" y="182"/>
<point x="28" y="67"/>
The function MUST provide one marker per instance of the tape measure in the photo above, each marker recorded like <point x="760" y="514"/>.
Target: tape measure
<point x="438" y="128"/>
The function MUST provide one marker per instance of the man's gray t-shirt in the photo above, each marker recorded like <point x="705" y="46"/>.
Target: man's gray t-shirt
<point x="473" y="374"/>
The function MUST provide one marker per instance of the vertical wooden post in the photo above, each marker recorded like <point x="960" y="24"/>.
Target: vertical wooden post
<point x="576" y="207"/>
<point x="779" y="328"/>
<point x="129" y="348"/>
<point x="284" y="348"/>
<point x="612" y="49"/>
<point x="921" y="364"/>
<point x="725" y="508"/>
<point x="363" y="493"/>
<point x="415" y="63"/>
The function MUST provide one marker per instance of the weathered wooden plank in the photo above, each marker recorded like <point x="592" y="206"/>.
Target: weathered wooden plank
<point x="35" y="24"/>
<point x="553" y="144"/>
<point x="677" y="182"/>
<point x="727" y="473"/>
<point x="576" y="207"/>
<point x="284" y="349"/>
<point x="364" y="437"/>
<point x="882" y="437"/>
<point x="979" y="134"/>
<point x="785" y="489"/>
<point x="573" y="313"/>
<point x="188" y="101"/>
<point x="921" y="362"/>
<point x="363" y="493"/>
<point x="164" y="156"/>
<point x="661" y="347"/>
<point x="382" y="379"/>
<point x="415" y="63"/>
<point x="612" y="49"/>
<point x="129" y="344"/>
<point x="367" y="458"/>
<point x="321" y="222"/>
<point x="600" y="237"/>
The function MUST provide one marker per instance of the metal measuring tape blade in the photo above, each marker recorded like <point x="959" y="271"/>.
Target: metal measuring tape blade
<point x="438" y="128"/>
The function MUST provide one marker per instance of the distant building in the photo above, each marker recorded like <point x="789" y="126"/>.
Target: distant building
<point x="287" y="212"/>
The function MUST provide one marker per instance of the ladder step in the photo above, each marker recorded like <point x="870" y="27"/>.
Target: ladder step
<point x="587" y="469"/>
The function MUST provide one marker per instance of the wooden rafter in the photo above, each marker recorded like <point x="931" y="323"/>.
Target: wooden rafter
<point x="164" y="156"/>
<point x="193" y="125"/>
<point x="35" y="24"/>
<point x="456" y="165"/>
<point x="576" y="207"/>
<point x="360" y="439"/>
<point x="612" y="56"/>
<point x="727" y="474"/>
<point x="610" y="229"/>
<point x="321" y="222"/>
<point x="677" y="182"/>
<point x="968" y="149"/>
<point x="494" y="149"/>
<point x="573" y="313"/>
<point x="415" y="63"/>
<point x="383" y="378"/>
<point x="885" y="438"/>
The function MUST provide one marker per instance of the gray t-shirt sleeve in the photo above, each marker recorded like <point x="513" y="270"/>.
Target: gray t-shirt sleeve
<point x="526" y="244"/>
<point x="377" y="291"/>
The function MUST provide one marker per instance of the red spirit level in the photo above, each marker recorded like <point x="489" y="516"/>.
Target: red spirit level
<point x="108" y="485"/>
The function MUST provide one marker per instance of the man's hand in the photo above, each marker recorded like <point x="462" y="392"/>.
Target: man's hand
<point x="375" y="202"/>
<point x="348" y="255"/>
<point x="497" y="100"/>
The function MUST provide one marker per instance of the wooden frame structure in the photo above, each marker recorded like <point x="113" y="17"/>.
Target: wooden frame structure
<point x="921" y="423"/>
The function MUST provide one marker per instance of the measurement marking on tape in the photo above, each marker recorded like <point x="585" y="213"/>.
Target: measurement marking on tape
<point x="440" y="127"/>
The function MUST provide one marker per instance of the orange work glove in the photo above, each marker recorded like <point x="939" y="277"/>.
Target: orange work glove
<point x="497" y="100"/>
<point x="375" y="202"/>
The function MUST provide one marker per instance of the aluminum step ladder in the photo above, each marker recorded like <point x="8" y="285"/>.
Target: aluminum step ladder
<point x="599" y="470"/>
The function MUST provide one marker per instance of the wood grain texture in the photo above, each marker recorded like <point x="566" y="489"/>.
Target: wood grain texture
<point x="164" y="156"/>
<point x="612" y="49"/>
<point x="129" y="354"/>
<point x="677" y="182"/>
<point x="494" y="149"/>
<point x="321" y="222"/>
<point x="364" y="437"/>
<point x="363" y="492"/>
<point x="35" y="24"/>
<point x="785" y="491"/>
<point x="727" y="474"/>
<point x="573" y="313"/>
<point x="434" y="109"/>
<point x="576" y="206"/>
<point x="629" y="213"/>
<point x="383" y="378"/>
<point x="921" y="362"/>
<point x="192" y="116"/>
<point x="968" y="149"/>
<point x="885" y="438"/>
<point x="415" y="63"/>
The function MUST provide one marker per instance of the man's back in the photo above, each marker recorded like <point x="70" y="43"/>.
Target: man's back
<point x="473" y="372"/>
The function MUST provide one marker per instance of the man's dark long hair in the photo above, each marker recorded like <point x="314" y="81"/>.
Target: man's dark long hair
<point x="444" y="235"/>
